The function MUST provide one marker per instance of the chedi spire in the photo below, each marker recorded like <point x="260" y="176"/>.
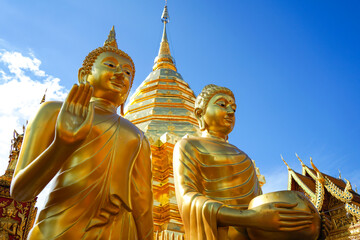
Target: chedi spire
<point x="164" y="58"/>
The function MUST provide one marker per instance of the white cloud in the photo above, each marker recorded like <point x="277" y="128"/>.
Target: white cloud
<point x="276" y="180"/>
<point x="22" y="86"/>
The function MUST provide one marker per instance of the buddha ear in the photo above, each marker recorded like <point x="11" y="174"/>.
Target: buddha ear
<point x="82" y="76"/>
<point x="122" y="109"/>
<point x="199" y="116"/>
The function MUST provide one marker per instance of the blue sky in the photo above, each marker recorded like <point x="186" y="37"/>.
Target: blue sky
<point x="293" y="67"/>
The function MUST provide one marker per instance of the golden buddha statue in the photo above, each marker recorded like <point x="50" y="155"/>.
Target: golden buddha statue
<point x="215" y="181"/>
<point x="101" y="161"/>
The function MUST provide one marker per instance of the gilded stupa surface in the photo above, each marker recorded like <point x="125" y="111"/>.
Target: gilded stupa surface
<point x="162" y="107"/>
<point x="164" y="102"/>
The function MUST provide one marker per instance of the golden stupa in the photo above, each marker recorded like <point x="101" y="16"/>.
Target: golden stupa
<point x="162" y="107"/>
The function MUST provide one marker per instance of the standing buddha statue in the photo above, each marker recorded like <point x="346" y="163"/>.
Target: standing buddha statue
<point x="101" y="161"/>
<point x="215" y="181"/>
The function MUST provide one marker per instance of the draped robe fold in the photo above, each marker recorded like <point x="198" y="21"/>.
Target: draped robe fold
<point x="208" y="174"/>
<point x="104" y="189"/>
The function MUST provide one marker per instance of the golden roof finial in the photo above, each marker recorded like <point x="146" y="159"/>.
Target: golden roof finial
<point x="111" y="41"/>
<point x="313" y="165"/>
<point x="319" y="175"/>
<point x="288" y="167"/>
<point x="302" y="164"/>
<point x="348" y="185"/>
<point x="339" y="174"/>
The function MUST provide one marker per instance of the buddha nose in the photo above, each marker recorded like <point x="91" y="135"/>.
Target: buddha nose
<point x="119" y="71"/>
<point x="230" y="111"/>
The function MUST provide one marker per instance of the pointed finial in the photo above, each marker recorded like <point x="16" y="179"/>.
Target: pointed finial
<point x="165" y="15"/>
<point x="319" y="174"/>
<point x="164" y="58"/>
<point x="44" y="97"/>
<point x="356" y="190"/>
<point x="111" y="41"/>
<point x="302" y="164"/>
<point x="288" y="167"/>
<point x="313" y="165"/>
<point x="339" y="174"/>
<point x="348" y="184"/>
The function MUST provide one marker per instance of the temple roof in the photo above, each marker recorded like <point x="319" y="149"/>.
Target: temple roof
<point x="315" y="184"/>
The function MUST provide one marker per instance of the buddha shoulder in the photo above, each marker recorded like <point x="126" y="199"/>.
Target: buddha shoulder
<point x="207" y="146"/>
<point x="49" y="107"/>
<point x="47" y="114"/>
<point x="129" y="128"/>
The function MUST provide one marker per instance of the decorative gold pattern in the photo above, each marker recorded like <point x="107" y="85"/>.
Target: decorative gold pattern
<point x="16" y="218"/>
<point x="337" y="202"/>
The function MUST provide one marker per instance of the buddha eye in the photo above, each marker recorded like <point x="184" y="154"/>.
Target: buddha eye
<point x="221" y="104"/>
<point x="110" y="65"/>
<point x="127" y="72"/>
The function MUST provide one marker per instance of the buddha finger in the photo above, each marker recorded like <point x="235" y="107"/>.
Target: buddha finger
<point x="70" y="96"/>
<point x="292" y="211"/>
<point x="294" y="224"/>
<point x="89" y="114"/>
<point x="293" y="229"/>
<point x="78" y="109"/>
<point x="291" y="217"/>
<point x="87" y="105"/>
<point x="78" y="93"/>
<point x="84" y="112"/>
<point x="71" y="107"/>
<point x="285" y="205"/>
<point x="88" y="97"/>
<point x="83" y="95"/>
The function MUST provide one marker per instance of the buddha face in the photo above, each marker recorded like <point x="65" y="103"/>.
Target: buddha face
<point x="219" y="116"/>
<point x="110" y="77"/>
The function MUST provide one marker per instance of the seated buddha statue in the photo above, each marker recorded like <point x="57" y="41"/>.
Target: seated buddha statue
<point x="215" y="181"/>
<point x="100" y="161"/>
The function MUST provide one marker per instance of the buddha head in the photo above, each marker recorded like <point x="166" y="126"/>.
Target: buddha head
<point x="110" y="71"/>
<point x="215" y="110"/>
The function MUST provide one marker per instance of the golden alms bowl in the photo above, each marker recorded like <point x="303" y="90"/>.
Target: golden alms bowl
<point x="310" y="233"/>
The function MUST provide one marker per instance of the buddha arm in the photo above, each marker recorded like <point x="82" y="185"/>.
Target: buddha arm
<point x="41" y="157"/>
<point x="53" y="135"/>
<point x="198" y="212"/>
<point x="233" y="217"/>
<point x="141" y="192"/>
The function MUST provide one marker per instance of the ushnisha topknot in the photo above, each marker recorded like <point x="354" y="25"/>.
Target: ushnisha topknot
<point x="207" y="93"/>
<point x="110" y="45"/>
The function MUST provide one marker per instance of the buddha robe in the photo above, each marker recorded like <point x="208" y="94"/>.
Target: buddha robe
<point x="209" y="174"/>
<point x="104" y="189"/>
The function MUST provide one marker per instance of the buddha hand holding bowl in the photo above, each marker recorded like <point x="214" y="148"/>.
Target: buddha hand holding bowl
<point x="309" y="233"/>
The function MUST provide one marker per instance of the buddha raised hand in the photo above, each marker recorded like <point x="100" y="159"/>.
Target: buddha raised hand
<point x="215" y="181"/>
<point x="103" y="187"/>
